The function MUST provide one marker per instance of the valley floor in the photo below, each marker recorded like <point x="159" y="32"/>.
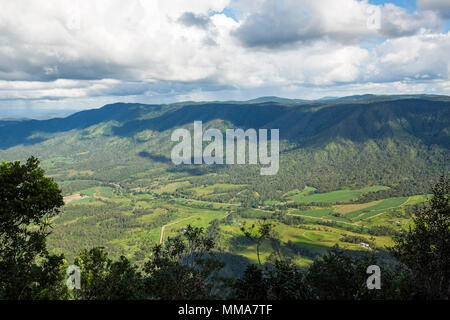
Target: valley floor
<point x="307" y="222"/>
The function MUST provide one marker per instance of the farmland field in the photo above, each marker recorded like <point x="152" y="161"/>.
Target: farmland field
<point x="129" y="222"/>
<point x="334" y="196"/>
<point x="123" y="192"/>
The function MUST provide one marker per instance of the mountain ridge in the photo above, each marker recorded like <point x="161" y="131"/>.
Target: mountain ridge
<point x="352" y="120"/>
<point x="400" y="143"/>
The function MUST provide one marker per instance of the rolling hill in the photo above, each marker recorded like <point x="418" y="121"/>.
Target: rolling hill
<point x="346" y="167"/>
<point x="368" y="140"/>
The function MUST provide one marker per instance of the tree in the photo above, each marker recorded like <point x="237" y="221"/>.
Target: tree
<point x="213" y="231"/>
<point x="104" y="279"/>
<point x="286" y="281"/>
<point x="28" y="200"/>
<point x="251" y="286"/>
<point x="338" y="276"/>
<point x="425" y="247"/>
<point x="257" y="234"/>
<point x="185" y="267"/>
<point x="281" y="281"/>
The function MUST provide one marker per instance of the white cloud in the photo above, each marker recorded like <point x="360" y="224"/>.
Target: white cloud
<point x="60" y="49"/>
<point x="440" y="6"/>
<point x="416" y="57"/>
<point x="274" y="25"/>
<point x="397" y="22"/>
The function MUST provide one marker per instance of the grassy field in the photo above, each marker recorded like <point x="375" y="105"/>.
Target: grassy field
<point x="332" y="197"/>
<point x="378" y="208"/>
<point x="172" y="187"/>
<point x="356" y="214"/>
<point x="216" y="188"/>
<point x="125" y="189"/>
<point x="130" y="222"/>
<point x="315" y="239"/>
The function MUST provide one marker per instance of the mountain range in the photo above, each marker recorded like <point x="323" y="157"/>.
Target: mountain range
<point x="348" y="141"/>
<point x="352" y="163"/>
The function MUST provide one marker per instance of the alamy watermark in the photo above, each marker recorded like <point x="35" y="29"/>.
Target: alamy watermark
<point x="258" y="145"/>
<point x="74" y="279"/>
<point x="374" y="281"/>
<point x="373" y="21"/>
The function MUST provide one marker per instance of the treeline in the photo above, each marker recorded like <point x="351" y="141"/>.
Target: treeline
<point x="100" y="224"/>
<point x="187" y="267"/>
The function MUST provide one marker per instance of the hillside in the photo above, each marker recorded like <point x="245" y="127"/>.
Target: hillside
<point x="369" y="140"/>
<point x="347" y="167"/>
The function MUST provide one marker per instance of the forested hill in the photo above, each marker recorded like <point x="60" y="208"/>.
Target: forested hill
<point x="399" y="141"/>
<point x="422" y="119"/>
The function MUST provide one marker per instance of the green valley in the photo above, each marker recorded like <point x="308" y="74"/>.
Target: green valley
<point x="350" y="173"/>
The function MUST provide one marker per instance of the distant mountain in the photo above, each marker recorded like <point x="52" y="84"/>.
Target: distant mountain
<point x="327" y="144"/>
<point x="349" y="98"/>
<point x="425" y="120"/>
<point x="357" y="97"/>
<point x="373" y="97"/>
<point x="328" y="98"/>
<point x="275" y="99"/>
<point x="117" y="161"/>
<point x="14" y="119"/>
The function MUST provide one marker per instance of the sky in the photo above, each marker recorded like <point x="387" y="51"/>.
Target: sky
<point x="59" y="56"/>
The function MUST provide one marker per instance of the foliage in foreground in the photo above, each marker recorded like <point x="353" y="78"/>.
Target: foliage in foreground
<point x="185" y="267"/>
<point x="28" y="200"/>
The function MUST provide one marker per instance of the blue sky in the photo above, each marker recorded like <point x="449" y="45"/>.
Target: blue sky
<point x="409" y="5"/>
<point x="59" y="56"/>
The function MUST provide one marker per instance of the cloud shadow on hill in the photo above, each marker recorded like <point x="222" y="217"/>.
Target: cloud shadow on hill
<point x="307" y="124"/>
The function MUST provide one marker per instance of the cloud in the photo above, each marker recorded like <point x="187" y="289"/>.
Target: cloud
<point x="190" y="19"/>
<point x="420" y="57"/>
<point x="396" y="22"/>
<point x="442" y="7"/>
<point x="274" y="25"/>
<point x="161" y="51"/>
<point x="48" y="40"/>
